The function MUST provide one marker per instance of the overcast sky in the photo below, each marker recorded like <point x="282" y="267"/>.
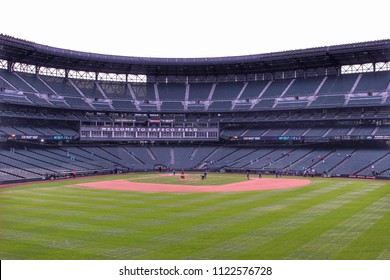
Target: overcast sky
<point x="194" y="28"/>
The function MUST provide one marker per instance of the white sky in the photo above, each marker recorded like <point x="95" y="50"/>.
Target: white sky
<point x="194" y="28"/>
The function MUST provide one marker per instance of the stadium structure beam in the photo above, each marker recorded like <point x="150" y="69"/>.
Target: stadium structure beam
<point x="13" y="49"/>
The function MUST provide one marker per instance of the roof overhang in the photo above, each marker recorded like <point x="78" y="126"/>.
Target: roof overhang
<point x="17" y="50"/>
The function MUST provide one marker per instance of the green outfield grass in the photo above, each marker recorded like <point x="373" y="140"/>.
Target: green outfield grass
<point x="328" y="219"/>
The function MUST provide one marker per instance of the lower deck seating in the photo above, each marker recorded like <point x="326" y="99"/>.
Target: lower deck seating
<point x="34" y="162"/>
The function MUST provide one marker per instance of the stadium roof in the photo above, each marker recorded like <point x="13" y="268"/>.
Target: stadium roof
<point x="18" y="50"/>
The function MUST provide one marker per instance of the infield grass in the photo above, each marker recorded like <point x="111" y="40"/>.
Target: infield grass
<point x="328" y="219"/>
<point x="192" y="179"/>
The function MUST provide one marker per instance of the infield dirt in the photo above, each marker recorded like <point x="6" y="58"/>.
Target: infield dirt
<point x="249" y="185"/>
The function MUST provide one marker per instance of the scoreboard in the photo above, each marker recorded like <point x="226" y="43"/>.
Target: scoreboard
<point x="112" y="133"/>
<point x="129" y="128"/>
<point x="149" y="127"/>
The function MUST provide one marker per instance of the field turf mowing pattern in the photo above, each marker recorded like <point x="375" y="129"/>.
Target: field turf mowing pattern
<point x="328" y="219"/>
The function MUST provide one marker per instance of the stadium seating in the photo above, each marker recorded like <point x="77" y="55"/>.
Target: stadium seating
<point x="331" y="91"/>
<point x="233" y="159"/>
<point x="123" y="105"/>
<point x="282" y="112"/>
<point x="199" y="91"/>
<point x="277" y="88"/>
<point x="250" y="158"/>
<point x="338" y="84"/>
<point x="381" y="166"/>
<point x="36" y="83"/>
<point x="33" y="163"/>
<point x="14" y="82"/>
<point x="328" y="101"/>
<point x="254" y="89"/>
<point x="88" y="88"/>
<point x="359" y="160"/>
<point x="171" y="92"/>
<point x="373" y="82"/>
<point x="115" y="90"/>
<point x="172" y="106"/>
<point x="304" y="87"/>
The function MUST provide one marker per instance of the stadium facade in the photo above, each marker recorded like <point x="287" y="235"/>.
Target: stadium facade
<point x="320" y="111"/>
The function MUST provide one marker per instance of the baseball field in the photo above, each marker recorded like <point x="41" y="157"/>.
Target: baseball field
<point x="226" y="216"/>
